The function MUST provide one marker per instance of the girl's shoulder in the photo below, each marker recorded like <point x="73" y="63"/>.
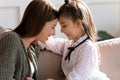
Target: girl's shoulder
<point x="88" y="43"/>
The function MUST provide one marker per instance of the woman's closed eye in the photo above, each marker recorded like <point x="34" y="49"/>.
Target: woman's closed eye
<point x="53" y="27"/>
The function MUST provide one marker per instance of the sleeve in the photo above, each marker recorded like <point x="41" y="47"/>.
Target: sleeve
<point x="8" y="50"/>
<point x="85" y="64"/>
<point x="56" y="45"/>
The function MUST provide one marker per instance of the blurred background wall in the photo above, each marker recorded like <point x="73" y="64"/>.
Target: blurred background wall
<point x="106" y="14"/>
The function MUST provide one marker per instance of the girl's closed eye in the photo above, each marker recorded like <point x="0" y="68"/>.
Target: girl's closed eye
<point x="63" y="26"/>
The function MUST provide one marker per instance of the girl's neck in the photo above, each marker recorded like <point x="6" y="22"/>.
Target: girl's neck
<point x="79" y="36"/>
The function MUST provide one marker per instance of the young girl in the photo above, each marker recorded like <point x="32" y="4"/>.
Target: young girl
<point x="80" y="53"/>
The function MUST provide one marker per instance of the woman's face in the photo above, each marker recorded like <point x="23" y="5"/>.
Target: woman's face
<point x="48" y="30"/>
<point x="73" y="30"/>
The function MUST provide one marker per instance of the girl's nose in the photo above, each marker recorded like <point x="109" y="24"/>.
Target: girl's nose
<point x="62" y="30"/>
<point x="53" y="33"/>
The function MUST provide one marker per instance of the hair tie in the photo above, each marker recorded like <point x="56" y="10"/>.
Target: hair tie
<point x="67" y="1"/>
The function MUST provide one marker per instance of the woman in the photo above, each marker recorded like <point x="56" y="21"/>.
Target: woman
<point x="18" y="47"/>
<point x="80" y="53"/>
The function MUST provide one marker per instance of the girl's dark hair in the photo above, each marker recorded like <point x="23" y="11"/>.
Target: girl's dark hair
<point x="76" y="9"/>
<point x="37" y="13"/>
<point x="67" y="1"/>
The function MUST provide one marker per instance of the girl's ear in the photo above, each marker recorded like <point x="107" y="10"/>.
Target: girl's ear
<point x="79" y="22"/>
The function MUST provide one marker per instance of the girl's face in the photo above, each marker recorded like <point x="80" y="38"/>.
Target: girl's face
<point x="73" y="30"/>
<point x="48" y="30"/>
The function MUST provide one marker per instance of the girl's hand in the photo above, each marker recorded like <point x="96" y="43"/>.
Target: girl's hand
<point x="29" y="78"/>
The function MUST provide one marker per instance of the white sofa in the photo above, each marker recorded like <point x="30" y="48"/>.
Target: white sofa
<point x="49" y="67"/>
<point x="110" y="57"/>
<point x="50" y="63"/>
<point x="1" y="29"/>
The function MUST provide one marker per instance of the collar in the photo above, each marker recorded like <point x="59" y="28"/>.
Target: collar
<point x="79" y="40"/>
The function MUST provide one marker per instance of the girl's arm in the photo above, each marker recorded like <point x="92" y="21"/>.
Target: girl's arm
<point x="56" y="45"/>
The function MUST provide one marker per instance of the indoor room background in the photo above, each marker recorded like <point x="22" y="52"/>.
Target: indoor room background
<point x="106" y="14"/>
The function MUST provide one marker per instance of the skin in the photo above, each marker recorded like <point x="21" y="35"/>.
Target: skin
<point x="72" y="29"/>
<point x="47" y="31"/>
<point x="28" y="78"/>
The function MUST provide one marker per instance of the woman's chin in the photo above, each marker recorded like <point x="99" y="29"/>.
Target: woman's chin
<point x="43" y="41"/>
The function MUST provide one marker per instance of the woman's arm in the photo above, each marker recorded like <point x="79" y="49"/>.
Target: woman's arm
<point x="8" y="50"/>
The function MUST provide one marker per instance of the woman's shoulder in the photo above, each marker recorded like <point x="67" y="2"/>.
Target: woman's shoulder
<point x="9" y="35"/>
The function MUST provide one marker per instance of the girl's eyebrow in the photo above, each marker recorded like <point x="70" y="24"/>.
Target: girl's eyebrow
<point x="62" y="23"/>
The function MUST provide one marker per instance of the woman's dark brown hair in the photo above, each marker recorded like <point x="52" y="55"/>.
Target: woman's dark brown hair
<point x="37" y="13"/>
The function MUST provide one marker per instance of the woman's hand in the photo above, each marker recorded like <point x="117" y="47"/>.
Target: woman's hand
<point x="29" y="78"/>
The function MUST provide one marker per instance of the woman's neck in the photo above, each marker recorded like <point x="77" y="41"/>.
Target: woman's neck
<point x="27" y="41"/>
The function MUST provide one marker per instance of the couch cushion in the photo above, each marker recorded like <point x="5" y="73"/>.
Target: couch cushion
<point x="49" y="66"/>
<point x="110" y="57"/>
<point x="1" y="29"/>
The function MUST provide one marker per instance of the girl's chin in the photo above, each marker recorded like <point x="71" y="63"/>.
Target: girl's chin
<point x="69" y="38"/>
